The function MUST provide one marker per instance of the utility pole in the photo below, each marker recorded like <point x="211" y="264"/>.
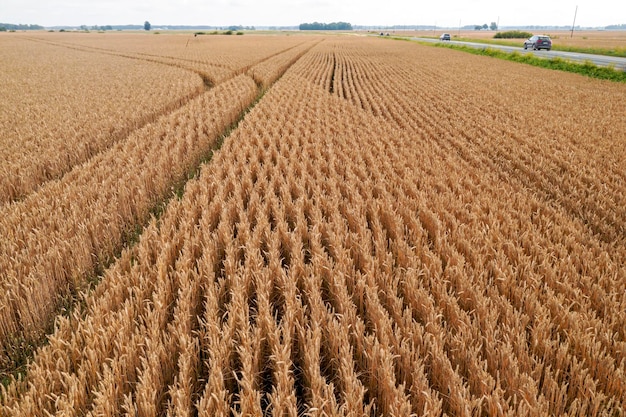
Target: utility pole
<point x="573" y="24"/>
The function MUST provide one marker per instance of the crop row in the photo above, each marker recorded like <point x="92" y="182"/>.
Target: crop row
<point x="556" y="246"/>
<point x="58" y="238"/>
<point x="215" y="57"/>
<point x="364" y="253"/>
<point x="61" y="107"/>
<point x="70" y="97"/>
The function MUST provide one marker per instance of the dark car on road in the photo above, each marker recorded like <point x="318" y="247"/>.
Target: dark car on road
<point x="445" y="37"/>
<point x="538" y="42"/>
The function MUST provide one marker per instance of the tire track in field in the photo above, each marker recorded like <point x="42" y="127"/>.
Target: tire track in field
<point x="209" y="81"/>
<point x="122" y="134"/>
<point x="19" y="341"/>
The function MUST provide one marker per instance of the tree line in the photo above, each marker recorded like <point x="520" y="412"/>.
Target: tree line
<point x="492" y="26"/>
<point x="326" y="26"/>
<point x="8" y="26"/>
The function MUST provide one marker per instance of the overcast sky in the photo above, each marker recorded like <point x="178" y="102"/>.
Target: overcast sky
<point x="446" y="13"/>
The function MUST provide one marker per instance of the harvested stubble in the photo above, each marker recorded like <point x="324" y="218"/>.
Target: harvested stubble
<point x="378" y="249"/>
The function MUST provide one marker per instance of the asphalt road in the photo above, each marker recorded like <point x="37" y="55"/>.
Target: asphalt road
<point x="599" y="60"/>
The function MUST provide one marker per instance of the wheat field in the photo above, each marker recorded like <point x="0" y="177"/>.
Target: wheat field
<point x="382" y="229"/>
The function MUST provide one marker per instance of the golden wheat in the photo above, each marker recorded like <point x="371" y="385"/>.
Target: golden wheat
<point x="60" y="234"/>
<point x="62" y="107"/>
<point x="386" y="232"/>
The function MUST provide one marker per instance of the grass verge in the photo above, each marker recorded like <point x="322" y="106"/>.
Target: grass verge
<point x="587" y="68"/>
<point x="616" y="52"/>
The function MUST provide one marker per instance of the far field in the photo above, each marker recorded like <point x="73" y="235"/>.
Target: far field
<point x="305" y="224"/>
<point x="581" y="38"/>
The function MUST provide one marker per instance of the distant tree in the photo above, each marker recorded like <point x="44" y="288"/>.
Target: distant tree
<point x="326" y="26"/>
<point x="478" y="27"/>
<point x="485" y="26"/>
<point x="147" y="25"/>
<point x="493" y="26"/>
<point x="13" y="27"/>
<point x="101" y="28"/>
<point x="3" y="29"/>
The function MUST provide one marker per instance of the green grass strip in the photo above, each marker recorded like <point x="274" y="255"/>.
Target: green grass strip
<point x="615" y="52"/>
<point x="587" y="68"/>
